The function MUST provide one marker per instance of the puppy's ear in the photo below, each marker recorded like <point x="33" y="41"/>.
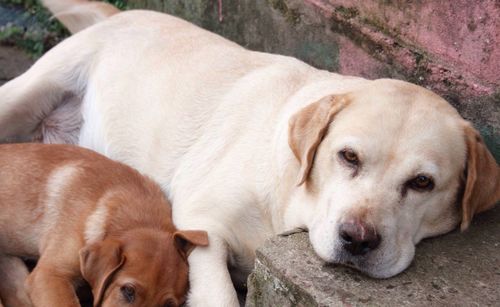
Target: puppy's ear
<point x="307" y="128"/>
<point x="187" y="240"/>
<point x="98" y="263"/>
<point x="482" y="187"/>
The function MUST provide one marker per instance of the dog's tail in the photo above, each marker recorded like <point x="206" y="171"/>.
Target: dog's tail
<point x="77" y="15"/>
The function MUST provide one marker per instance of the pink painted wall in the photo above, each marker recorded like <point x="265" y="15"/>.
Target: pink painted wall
<point x="461" y="35"/>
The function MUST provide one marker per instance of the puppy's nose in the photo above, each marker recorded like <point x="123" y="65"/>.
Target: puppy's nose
<point x="358" y="238"/>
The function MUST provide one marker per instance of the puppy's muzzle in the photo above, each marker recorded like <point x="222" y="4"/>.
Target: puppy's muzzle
<point x="358" y="238"/>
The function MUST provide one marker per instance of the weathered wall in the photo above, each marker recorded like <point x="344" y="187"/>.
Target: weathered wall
<point x="461" y="35"/>
<point x="451" y="47"/>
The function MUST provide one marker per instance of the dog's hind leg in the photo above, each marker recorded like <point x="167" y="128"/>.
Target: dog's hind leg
<point x="59" y="77"/>
<point x="14" y="273"/>
<point x="63" y="124"/>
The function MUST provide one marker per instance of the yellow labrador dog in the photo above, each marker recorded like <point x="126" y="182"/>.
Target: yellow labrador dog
<point x="250" y="144"/>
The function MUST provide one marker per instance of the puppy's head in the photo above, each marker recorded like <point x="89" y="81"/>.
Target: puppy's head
<point x="383" y="167"/>
<point x="141" y="268"/>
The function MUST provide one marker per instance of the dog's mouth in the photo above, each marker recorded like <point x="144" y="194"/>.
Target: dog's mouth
<point x="351" y="262"/>
<point x="386" y="260"/>
<point x="370" y="265"/>
<point x="358" y="267"/>
<point x="355" y="267"/>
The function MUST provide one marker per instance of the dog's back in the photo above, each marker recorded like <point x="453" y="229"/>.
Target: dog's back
<point x="24" y="172"/>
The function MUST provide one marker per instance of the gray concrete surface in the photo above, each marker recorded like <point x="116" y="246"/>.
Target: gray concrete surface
<point x="457" y="269"/>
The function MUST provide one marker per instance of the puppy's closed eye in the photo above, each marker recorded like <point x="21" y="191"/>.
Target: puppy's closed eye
<point x="170" y="302"/>
<point x="128" y="293"/>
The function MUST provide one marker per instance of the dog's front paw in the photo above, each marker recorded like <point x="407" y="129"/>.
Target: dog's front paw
<point x="214" y="298"/>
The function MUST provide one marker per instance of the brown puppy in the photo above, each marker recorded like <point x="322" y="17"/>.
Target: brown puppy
<point x="84" y="215"/>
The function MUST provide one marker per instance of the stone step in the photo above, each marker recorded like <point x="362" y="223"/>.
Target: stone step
<point x="457" y="269"/>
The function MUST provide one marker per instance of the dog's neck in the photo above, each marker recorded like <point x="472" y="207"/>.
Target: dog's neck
<point x="283" y="199"/>
<point x="128" y="207"/>
<point x="154" y="214"/>
<point x="291" y="200"/>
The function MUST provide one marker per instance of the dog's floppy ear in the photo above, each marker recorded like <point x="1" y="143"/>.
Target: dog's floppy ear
<point x="98" y="263"/>
<point x="482" y="184"/>
<point x="308" y="127"/>
<point x="187" y="240"/>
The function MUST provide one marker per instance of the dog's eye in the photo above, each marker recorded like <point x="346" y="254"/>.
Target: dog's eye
<point x="421" y="183"/>
<point x="349" y="156"/>
<point x="128" y="293"/>
<point x="170" y="303"/>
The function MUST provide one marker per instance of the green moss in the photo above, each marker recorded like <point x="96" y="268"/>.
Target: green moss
<point x="31" y="42"/>
<point x="347" y="12"/>
<point x="320" y="54"/>
<point x="121" y="4"/>
<point x="418" y="57"/>
<point x="291" y="15"/>
<point x="41" y="31"/>
<point x="34" y="30"/>
<point x="496" y="96"/>
<point x="421" y="71"/>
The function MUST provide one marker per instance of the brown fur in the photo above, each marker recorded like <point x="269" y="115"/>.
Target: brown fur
<point x="308" y="127"/>
<point x="482" y="188"/>
<point x="47" y="219"/>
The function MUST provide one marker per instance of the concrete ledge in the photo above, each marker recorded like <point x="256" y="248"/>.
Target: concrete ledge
<point x="452" y="270"/>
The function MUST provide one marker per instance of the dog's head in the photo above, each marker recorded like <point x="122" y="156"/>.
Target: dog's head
<point x="141" y="268"/>
<point x="383" y="167"/>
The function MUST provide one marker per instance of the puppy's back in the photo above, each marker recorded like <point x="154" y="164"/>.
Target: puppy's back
<point x="43" y="185"/>
<point x="28" y="166"/>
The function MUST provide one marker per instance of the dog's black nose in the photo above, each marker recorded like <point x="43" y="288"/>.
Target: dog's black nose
<point x="358" y="238"/>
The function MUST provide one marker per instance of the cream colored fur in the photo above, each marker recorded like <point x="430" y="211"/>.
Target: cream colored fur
<point x="209" y="120"/>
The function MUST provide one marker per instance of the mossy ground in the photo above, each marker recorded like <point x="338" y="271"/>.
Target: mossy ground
<point x="33" y="29"/>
